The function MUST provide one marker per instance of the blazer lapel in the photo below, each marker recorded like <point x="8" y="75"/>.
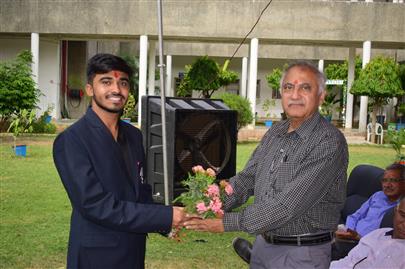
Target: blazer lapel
<point x="118" y="157"/>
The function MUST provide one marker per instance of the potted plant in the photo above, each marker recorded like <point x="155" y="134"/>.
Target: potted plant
<point x="397" y="139"/>
<point x="267" y="106"/>
<point x="21" y="123"/>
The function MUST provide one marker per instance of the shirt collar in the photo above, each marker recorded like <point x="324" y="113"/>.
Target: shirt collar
<point x="305" y="129"/>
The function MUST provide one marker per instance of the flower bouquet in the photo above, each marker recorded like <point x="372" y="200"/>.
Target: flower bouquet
<point x="204" y="197"/>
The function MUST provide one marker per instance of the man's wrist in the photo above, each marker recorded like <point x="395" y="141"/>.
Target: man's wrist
<point x="231" y="221"/>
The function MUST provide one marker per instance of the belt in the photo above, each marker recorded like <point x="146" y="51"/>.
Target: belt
<point x="298" y="240"/>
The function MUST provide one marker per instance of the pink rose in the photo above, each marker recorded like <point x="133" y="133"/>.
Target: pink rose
<point x="228" y="189"/>
<point x="201" y="208"/>
<point x="198" y="168"/>
<point x="219" y="213"/>
<point x="213" y="190"/>
<point x="210" y="172"/>
<point x="216" y="205"/>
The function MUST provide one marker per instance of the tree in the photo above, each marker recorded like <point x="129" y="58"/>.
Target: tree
<point x="18" y="90"/>
<point x="340" y="71"/>
<point x="379" y="80"/>
<point x="205" y="75"/>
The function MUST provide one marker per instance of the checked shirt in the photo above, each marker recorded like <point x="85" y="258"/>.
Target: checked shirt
<point x="298" y="180"/>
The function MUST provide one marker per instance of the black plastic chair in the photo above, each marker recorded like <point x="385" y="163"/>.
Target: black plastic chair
<point x="388" y="219"/>
<point x="364" y="181"/>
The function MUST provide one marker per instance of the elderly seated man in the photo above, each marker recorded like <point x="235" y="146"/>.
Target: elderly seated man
<point x="368" y="217"/>
<point x="382" y="248"/>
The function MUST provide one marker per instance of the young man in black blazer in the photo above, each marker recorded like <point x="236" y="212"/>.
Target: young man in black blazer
<point x="100" y="160"/>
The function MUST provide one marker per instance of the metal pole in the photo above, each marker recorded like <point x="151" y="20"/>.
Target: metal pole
<point x="163" y="101"/>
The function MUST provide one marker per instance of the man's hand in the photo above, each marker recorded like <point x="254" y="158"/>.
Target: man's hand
<point x="205" y="225"/>
<point x="179" y="216"/>
<point x="349" y="234"/>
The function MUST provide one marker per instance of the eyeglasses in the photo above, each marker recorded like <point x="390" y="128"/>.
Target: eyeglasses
<point x="303" y="88"/>
<point x="392" y="180"/>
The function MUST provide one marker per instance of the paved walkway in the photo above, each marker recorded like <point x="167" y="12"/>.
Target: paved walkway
<point x="245" y="134"/>
<point x="353" y="136"/>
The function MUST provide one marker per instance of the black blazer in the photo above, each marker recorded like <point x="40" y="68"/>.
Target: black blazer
<point x="111" y="207"/>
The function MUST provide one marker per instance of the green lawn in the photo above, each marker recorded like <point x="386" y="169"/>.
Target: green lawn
<point x="35" y="211"/>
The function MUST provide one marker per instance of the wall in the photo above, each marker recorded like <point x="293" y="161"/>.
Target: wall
<point x="330" y="23"/>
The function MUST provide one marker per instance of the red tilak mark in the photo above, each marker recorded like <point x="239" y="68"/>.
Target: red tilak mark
<point x="116" y="74"/>
<point x="295" y="81"/>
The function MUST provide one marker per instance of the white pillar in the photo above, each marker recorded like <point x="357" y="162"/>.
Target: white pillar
<point x="369" y="1"/>
<point x="320" y="65"/>
<point x="349" y="96"/>
<point x="243" y="80"/>
<point x="252" y="83"/>
<point x="169" y="88"/>
<point x="35" y="57"/>
<point x="151" y="68"/>
<point x="364" y="99"/>
<point x="143" y="51"/>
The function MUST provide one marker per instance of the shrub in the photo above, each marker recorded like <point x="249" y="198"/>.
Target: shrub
<point x="40" y="126"/>
<point x="241" y="105"/>
<point x="397" y="140"/>
<point x="17" y="88"/>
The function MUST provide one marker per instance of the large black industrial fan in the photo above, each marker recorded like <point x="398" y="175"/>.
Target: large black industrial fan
<point x="199" y="132"/>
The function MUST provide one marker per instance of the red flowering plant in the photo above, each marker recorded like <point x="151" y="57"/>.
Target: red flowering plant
<point x="204" y="197"/>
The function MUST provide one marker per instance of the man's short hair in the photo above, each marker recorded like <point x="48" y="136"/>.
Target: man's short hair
<point x="102" y="63"/>
<point x="398" y="167"/>
<point x="320" y="77"/>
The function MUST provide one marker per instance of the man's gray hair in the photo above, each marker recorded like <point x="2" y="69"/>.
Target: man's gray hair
<point x="320" y="77"/>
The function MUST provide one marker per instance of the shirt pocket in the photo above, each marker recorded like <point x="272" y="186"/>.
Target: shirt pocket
<point x="285" y="174"/>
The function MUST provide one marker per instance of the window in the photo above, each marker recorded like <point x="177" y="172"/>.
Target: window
<point x="234" y="87"/>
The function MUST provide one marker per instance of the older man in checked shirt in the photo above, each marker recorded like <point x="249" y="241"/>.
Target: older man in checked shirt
<point x="297" y="175"/>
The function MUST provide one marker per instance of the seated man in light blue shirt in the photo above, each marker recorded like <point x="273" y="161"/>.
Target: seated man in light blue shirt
<point x="382" y="248"/>
<point x="368" y="217"/>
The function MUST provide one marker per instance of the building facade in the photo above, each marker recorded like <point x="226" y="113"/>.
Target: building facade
<point x="63" y="36"/>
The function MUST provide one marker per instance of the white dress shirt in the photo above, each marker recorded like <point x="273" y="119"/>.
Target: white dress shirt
<point x="376" y="250"/>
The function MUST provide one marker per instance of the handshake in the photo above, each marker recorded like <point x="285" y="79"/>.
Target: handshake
<point x="195" y="222"/>
<point x="203" y="202"/>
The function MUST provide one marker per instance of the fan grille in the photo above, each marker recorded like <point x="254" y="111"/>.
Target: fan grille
<point x="202" y="139"/>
